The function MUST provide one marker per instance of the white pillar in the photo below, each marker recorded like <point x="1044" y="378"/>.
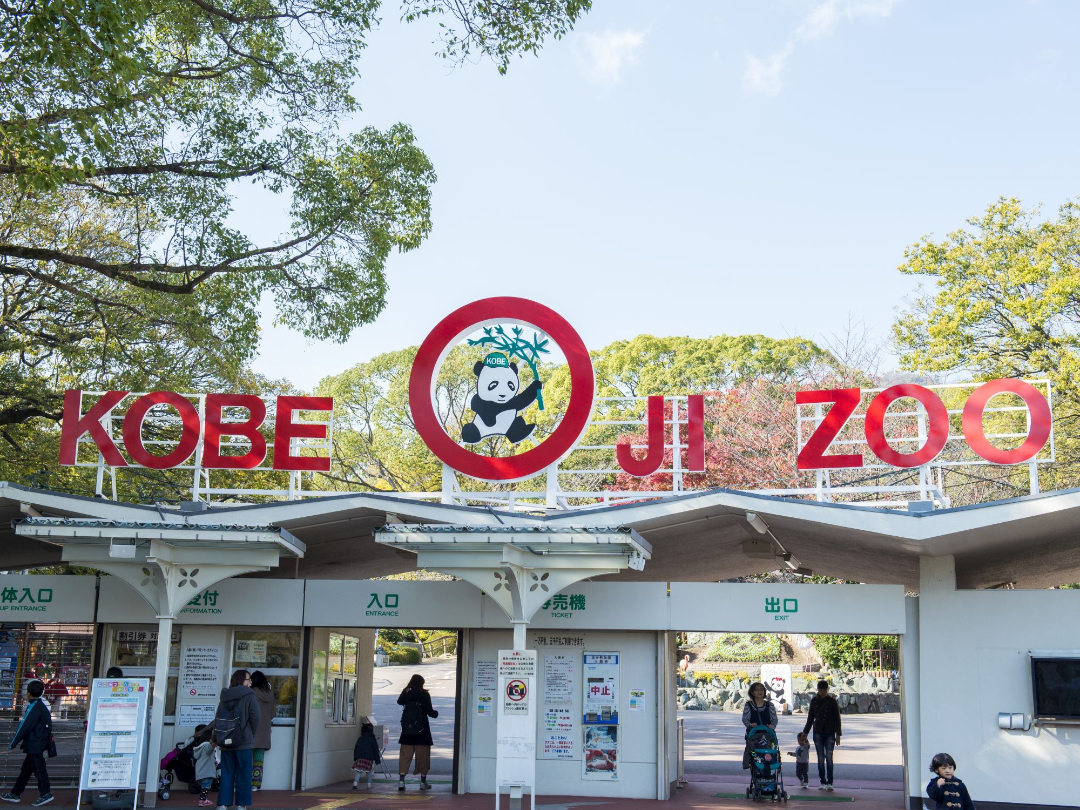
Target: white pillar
<point x="157" y="709"/>
<point x="519" y="634"/>
<point x="911" y="726"/>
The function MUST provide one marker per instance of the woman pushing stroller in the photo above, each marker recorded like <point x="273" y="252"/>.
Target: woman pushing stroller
<point x="757" y="711"/>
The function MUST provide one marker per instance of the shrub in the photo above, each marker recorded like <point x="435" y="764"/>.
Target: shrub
<point x="404" y="655"/>
<point x="845" y="652"/>
<point x="745" y="647"/>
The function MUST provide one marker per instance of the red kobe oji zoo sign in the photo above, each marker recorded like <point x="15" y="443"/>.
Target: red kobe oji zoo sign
<point x="845" y="401"/>
<point x="211" y="429"/>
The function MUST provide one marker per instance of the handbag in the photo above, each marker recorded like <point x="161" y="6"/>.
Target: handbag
<point x="50" y="750"/>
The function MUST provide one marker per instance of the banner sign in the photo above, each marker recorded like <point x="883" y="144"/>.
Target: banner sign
<point x="115" y="735"/>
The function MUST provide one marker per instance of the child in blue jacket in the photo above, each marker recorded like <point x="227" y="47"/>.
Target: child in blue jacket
<point x="948" y="791"/>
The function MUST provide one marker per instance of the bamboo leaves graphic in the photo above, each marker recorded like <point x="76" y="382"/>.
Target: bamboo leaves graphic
<point x="512" y="344"/>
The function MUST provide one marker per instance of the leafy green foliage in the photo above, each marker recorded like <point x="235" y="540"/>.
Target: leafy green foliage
<point x="846" y="652"/>
<point x="405" y="655"/>
<point x="1003" y="304"/>
<point x="745" y="647"/>
<point x="125" y="127"/>
<point x="499" y="30"/>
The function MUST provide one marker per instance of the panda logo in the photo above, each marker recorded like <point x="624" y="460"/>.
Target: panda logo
<point x="498" y="401"/>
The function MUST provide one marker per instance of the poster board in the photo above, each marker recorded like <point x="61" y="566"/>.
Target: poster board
<point x="516" y="705"/>
<point x="116" y="730"/>
<point x="600" y="715"/>
<point x="778" y="690"/>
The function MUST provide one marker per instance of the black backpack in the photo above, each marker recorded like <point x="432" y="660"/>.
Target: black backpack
<point x="412" y="718"/>
<point x="226" y="731"/>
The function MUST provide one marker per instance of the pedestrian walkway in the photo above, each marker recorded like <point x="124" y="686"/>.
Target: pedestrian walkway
<point x="713" y="795"/>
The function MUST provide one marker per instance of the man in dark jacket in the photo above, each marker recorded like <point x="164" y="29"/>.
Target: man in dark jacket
<point x="234" y="732"/>
<point x="33" y="736"/>
<point x="824" y="716"/>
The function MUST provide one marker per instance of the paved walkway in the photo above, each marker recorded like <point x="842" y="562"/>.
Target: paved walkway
<point x="710" y="795"/>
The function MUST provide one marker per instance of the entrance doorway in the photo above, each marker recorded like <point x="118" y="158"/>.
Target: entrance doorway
<point x="716" y="670"/>
<point x="438" y="666"/>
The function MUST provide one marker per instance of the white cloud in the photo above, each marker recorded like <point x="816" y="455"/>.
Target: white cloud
<point x="609" y="53"/>
<point x="764" y="75"/>
<point x="820" y="21"/>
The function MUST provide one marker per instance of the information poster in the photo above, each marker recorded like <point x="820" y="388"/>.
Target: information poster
<point x="558" y="679"/>
<point x="556" y="719"/>
<point x="558" y="746"/>
<point x="637" y="700"/>
<point x="484" y="707"/>
<point x="600" y="694"/>
<point x="487" y="674"/>
<point x="115" y="734"/>
<point x="515" y="738"/>
<point x="9" y="665"/>
<point x="195" y="714"/>
<point x="250" y="652"/>
<point x="601" y="752"/>
<point x="200" y="672"/>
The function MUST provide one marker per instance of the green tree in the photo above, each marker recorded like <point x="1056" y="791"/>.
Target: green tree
<point x="1005" y="303"/>
<point x="125" y="128"/>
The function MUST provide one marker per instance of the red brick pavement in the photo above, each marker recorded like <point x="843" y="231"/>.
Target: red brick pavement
<point x="385" y="796"/>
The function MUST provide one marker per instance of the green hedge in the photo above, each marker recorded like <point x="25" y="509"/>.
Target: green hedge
<point x="845" y="652"/>
<point x="745" y="647"/>
<point x="405" y="655"/>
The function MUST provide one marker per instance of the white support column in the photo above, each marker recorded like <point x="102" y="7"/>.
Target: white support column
<point x="157" y="709"/>
<point x="910" y="704"/>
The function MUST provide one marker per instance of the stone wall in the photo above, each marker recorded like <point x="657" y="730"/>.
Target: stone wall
<point x="857" y="693"/>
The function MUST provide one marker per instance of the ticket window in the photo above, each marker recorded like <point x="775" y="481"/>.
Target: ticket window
<point x="277" y="655"/>
<point x="342" y="665"/>
<point x="134" y="650"/>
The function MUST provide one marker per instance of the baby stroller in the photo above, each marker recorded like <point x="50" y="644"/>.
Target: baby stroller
<point x="766" y="775"/>
<point x="180" y="764"/>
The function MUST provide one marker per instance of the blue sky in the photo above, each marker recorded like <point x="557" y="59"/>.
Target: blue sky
<point x="709" y="168"/>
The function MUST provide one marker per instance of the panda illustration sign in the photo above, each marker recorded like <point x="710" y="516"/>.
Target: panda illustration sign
<point x="498" y="401"/>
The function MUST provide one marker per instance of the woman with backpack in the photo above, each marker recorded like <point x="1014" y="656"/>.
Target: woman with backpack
<point x="235" y="724"/>
<point x="415" y="737"/>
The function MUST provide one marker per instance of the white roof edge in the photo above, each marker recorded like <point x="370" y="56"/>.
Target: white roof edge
<point x="889" y="523"/>
<point x="87" y="507"/>
<point x="318" y="507"/>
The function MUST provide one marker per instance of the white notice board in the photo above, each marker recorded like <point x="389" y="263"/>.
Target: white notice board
<point x="515" y="758"/>
<point x="115" y="734"/>
<point x="200" y="672"/>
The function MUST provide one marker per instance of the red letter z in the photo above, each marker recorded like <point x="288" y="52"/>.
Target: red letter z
<point x="845" y="401"/>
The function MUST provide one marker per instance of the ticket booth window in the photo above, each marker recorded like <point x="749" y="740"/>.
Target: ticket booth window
<point x="277" y="655"/>
<point x="134" y="650"/>
<point x="341" y="668"/>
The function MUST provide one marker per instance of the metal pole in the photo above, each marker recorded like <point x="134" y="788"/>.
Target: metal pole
<point x="157" y="709"/>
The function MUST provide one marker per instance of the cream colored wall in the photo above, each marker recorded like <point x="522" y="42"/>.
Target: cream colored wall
<point x="328" y="747"/>
<point x="973" y="664"/>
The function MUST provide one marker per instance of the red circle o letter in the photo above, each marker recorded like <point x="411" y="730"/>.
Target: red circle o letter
<point x="937" y="418"/>
<point x="446" y="334"/>
<point x="1038" y="433"/>
<point x="189" y="432"/>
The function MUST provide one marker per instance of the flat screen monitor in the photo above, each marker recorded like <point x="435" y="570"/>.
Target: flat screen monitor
<point x="1055" y="684"/>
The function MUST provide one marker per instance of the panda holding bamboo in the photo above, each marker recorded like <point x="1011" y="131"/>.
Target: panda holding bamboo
<point x="498" y="401"/>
